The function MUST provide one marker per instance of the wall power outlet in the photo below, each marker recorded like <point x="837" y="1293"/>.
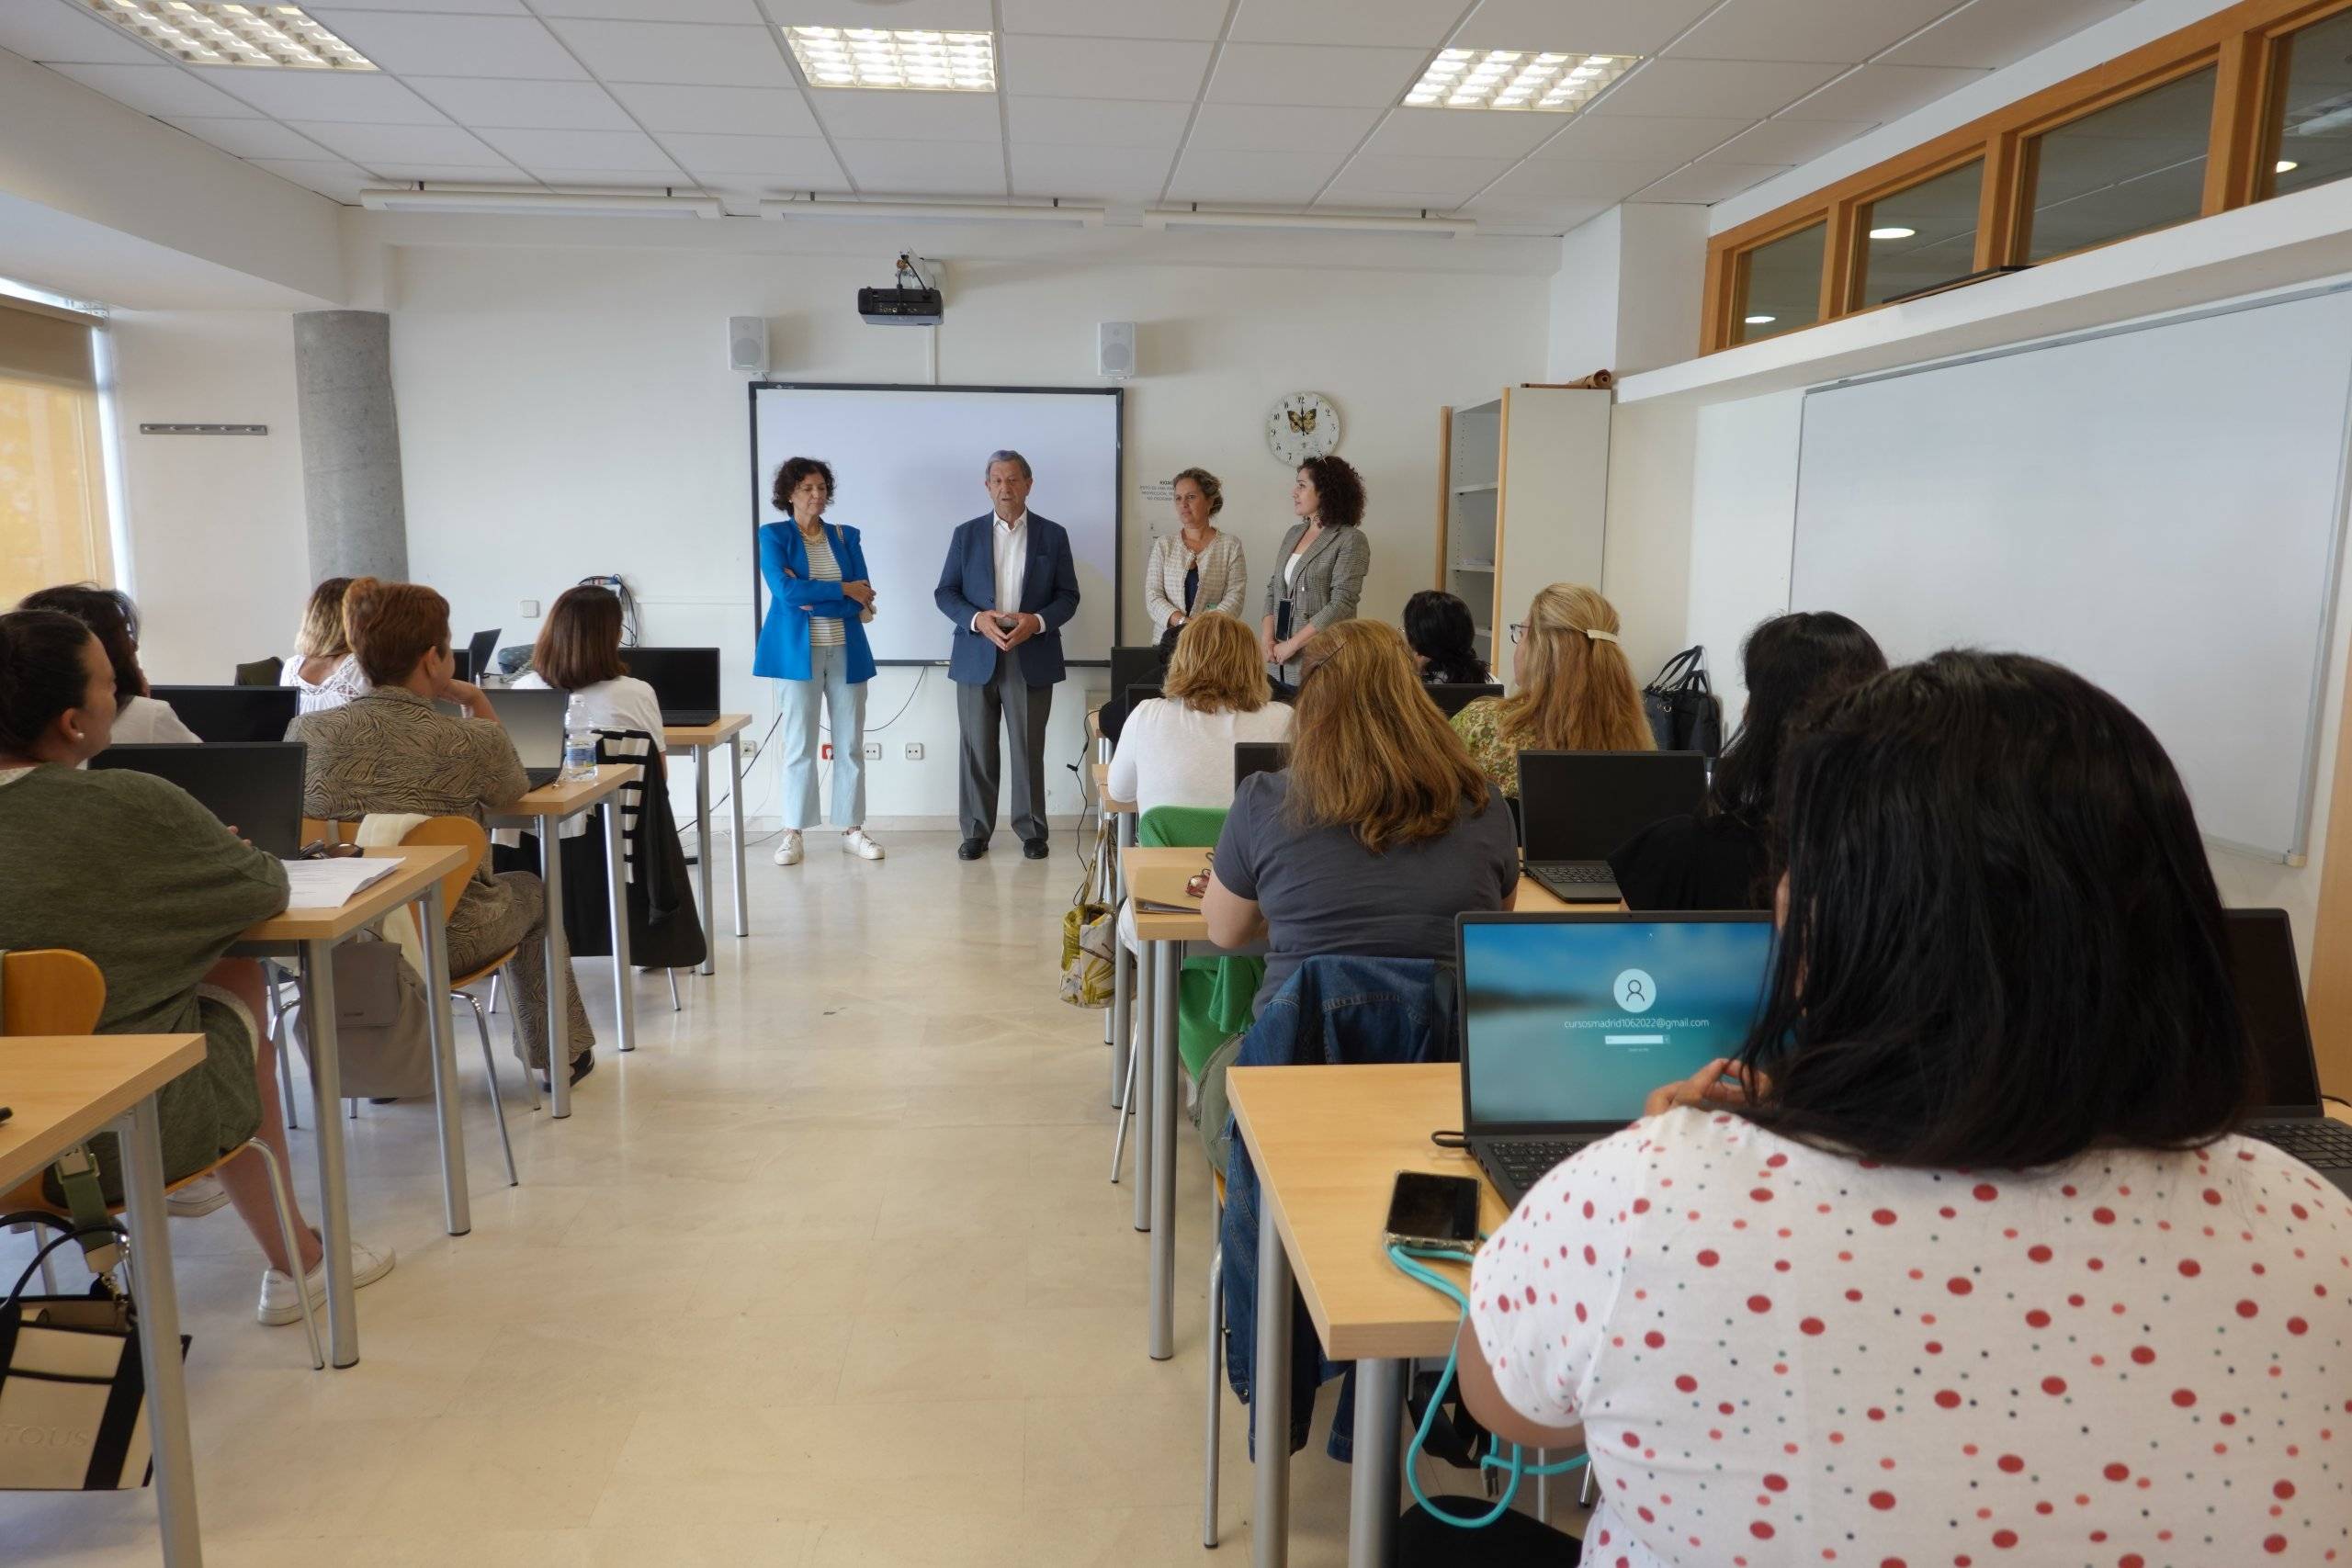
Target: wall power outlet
<point x="914" y="751"/>
<point x="873" y="750"/>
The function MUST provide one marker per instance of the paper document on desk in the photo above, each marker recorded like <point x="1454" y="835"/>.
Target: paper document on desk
<point x="328" y="883"/>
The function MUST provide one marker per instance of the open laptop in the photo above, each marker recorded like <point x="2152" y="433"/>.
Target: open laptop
<point x="1452" y="698"/>
<point x="480" y="650"/>
<point x="685" y="681"/>
<point x="1259" y="757"/>
<point x="1576" y="808"/>
<point x="232" y="713"/>
<point x="1568" y="1020"/>
<point x="254" y="786"/>
<point x="2270" y="996"/>
<point x="534" y="721"/>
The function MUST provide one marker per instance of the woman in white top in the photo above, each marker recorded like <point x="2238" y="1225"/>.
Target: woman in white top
<point x="1177" y="748"/>
<point x="1977" y="1267"/>
<point x="322" y="668"/>
<point x="140" y="719"/>
<point x="1200" y="568"/>
<point x="579" y="651"/>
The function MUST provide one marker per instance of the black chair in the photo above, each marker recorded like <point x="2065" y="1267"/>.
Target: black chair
<point x="262" y="671"/>
<point x="1452" y="699"/>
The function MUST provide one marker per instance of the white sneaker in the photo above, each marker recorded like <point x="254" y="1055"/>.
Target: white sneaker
<point x="198" y="1198"/>
<point x="858" y="843"/>
<point x="788" y="852"/>
<point x="277" y="1302"/>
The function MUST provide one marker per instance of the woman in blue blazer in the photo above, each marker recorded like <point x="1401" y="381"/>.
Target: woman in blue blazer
<point x="815" y="642"/>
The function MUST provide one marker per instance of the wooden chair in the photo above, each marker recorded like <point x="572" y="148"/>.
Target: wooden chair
<point x="466" y="834"/>
<point x="54" y="992"/>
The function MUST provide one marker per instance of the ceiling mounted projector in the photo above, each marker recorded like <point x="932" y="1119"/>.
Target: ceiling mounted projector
<point x="909" y="302"/>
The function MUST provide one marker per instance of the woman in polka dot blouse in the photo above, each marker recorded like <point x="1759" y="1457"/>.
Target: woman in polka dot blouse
<point x="1978" y="1274"/>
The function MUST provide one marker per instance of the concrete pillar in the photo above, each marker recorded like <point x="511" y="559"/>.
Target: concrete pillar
<point x="351" y="443"/>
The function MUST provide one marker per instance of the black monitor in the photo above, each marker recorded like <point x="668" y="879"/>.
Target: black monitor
<point x="685" y="681"/>
<point x="254" y="786"/>
<point x="1581" y="806"/>
<point x="1452" y="698"/>
<point x="2261" y="952"/>
<point x="1142" y="693"/>
<point x="478" y="653"/>
<point x="1133" y="666"/>
<point x="232" y="713"/>
<point x="1259" y="757"/>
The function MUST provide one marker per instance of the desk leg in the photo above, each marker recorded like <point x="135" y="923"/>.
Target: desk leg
<point x="456" y="1201"/>
<point x="617" y="883"/>
<point x="335" y="1196"/>
<point x="152" y="1288"/>
<point x="1140" y="1084"/>
<point x="1270" y="1401"/>
<point x="702" y="860"/>
<point x="1372" y="1488"/>
<point x="559" y="950"/>
<point x="1168" y="962"/>
<point x="1122" y="969"/>
<point x="735" y="830"/>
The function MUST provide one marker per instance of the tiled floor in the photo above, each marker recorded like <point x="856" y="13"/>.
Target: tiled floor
<point x="826" y="1273"/>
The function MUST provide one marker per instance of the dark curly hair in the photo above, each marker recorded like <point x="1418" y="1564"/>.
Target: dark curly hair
<point x="1339" y="491"/>
<point x="110" y="614"/>
<point x="795" y="470"/>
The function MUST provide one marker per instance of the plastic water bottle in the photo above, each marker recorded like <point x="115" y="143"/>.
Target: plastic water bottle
<point x="579" y="751"/>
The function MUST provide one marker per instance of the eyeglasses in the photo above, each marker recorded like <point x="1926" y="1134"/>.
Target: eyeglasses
<point x="1518" y="630"/>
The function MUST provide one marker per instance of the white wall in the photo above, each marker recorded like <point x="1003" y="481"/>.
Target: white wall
<point x="1582" y="335"/>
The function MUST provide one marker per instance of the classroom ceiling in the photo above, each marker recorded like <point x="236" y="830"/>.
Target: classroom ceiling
<point x="1291" y="104"/>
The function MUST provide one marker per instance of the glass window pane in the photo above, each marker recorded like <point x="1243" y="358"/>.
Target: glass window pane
<point x="2131" y="167"/>
<point x="52" y="489"/>
<point x="1923" y="236"/>
<point x="1784" y="285"/>
<point x="2314" y="105"/>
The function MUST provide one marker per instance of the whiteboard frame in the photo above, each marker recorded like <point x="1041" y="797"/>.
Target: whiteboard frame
<point x="1118" y="396"/>
<point x="2329" y="588"/>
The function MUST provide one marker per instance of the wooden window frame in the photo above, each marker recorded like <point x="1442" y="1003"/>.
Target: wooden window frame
<point x="2242" y="43"/>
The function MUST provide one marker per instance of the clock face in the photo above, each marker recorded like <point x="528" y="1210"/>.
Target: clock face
<point x="1303" y="426"/>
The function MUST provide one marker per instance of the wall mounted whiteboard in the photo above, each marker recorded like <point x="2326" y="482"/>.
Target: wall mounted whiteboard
<point x="2156" y="506"/>
<point x="908" y="462"/>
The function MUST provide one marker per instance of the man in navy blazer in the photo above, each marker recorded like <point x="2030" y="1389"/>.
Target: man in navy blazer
<point x="1009" y="584"/>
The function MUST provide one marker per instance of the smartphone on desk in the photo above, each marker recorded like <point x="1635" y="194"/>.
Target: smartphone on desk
<point x="1438" y="1213"/>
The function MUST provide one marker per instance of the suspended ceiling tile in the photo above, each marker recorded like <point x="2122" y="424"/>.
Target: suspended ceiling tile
<point x="1415" y="24"/>
<point x="1093" y="68"/>
<point x="924" y="168"/>
<point x="1210" y="175"/>
<point x="1198" y="19"/>
<point x="1312" y="74"/>
<point x="693" y="56"/>
<point x="431" y="44"/>
<point x="1638" y="136"/>
<point x="1994" y="33"/>
<point x="1273" y="127"/>
<point x="533" y="106"/>
<point x="1841" y="31"/>
<point x="1880" y="93"/>
<point x="376" y="145"/>
<point x="1604" y="26"/>
<point x="868" y="115"/>
<point x="1097" y="122"/>
<point x="158" y="89"/>
<point x="1463" y="133"/>
<point x="1726" y="88"/>
<point x="582" y="149"/>
<point x="720" y="111"/>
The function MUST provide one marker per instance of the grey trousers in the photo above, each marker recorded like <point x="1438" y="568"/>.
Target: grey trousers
<point x="1021" y="709"/>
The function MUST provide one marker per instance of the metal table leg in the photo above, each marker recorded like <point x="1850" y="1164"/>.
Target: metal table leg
<point x="1140" y="1084"/>
<point x="456" y="1201"/>
<point x="616" y="881"/>
<point x="1123" y="978"/>
<point x="334" y="1195"/>
<point x="1168" y="959"/>
<point x="559" y="956"/>
<point x="702" y="858"/>
<point x="140" y="1137"/>
<point x="1372" y="1488"/>
<point x="1269" y="1400"/>
<point x="735" y="830"/>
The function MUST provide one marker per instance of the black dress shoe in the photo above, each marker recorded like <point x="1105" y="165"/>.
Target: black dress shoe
<point x="584" y="1063"/>
<point x="971" y="849"/>
<point x="1034" y="849"/>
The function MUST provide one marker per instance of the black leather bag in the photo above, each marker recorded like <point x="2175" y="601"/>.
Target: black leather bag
<point x="1684" y="711"/>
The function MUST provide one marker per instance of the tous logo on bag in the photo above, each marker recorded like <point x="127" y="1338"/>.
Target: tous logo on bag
<point x="16" y="1435"/>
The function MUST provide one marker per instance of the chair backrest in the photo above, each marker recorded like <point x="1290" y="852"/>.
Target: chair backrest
<point x="261" y="671"/>
<point x="313" y="830"/>
<point x="1179" y="827"/>
<point x="464" y="832"/>
<point x="50" y="990"/>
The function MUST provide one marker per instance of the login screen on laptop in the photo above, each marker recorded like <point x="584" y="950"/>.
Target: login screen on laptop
<point x="1575" y="1020"/>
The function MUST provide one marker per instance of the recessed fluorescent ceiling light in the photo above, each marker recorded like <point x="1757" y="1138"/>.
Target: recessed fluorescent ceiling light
<point x="1894" y="232"/>
<point x="1556" y="82"/>
<point x="1759" y="321"/>
<point x="900" y="59"/>
<point x="199" y="34"/>
<point x="2286" y="166"/>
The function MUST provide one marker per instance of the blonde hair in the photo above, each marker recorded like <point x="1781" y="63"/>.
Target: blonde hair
<point x="1370" y="750"/>
<point x="1217" y="665"/>
<point x="322" y="636"/>
<point x="1579" y="693"/>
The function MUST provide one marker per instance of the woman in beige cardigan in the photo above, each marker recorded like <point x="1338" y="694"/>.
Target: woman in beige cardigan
<point x="1200" y="569"/>
<point x="1319" y="575"/>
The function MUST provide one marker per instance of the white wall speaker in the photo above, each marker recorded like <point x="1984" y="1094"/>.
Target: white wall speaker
<point x="747" y="343"/>
<point x="1115" y="349"/>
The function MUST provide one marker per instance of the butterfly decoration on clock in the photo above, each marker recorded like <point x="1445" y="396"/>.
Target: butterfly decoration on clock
<point x="1301" y="425"/>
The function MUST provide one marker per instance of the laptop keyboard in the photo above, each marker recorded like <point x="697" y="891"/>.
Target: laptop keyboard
<point x="2318" y="1141"/>
<point x="1593" y="874"/>
<point x="1526" y="1160"/>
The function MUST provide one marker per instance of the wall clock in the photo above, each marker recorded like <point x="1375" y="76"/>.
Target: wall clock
<point x="1301" y="425"/>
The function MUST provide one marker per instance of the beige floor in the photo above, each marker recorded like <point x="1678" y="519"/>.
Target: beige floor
<point x="827" y="1273"/>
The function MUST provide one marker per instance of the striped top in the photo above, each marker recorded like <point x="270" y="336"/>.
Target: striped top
<point x="824" y="631"/>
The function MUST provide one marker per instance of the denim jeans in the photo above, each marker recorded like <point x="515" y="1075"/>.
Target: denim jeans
<point x="844" y="703"/>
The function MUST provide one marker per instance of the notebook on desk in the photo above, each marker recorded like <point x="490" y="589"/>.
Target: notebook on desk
<point x="2270" y="996"/>
<point x="254" y="786"/>
<point x="1576" y="808"/>
<point x="685" y="681"/>
<point x="534" y="721"/>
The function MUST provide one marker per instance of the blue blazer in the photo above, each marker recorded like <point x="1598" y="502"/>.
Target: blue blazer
<point x="1049" y="590"/>
<point x="795" y="600"/>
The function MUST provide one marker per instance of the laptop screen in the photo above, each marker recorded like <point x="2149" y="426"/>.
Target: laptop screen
<point x="534" y="721"/>
<point x="1259" y="757"/>
<point x="252" y="786"/>
<point x="232" y="713"/>
<point x="480" y="652"/>
<point x="685" y="680"/>
<point x="1583" y="804"/>
<point x="2270" y="997"/>
<point x="1576" y="1018"/>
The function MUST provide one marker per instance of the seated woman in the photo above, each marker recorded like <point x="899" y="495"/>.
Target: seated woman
<point x="140" y="719"/>
<point x="1974" y="1265"/>
<point x="322" y="668"/>
<point x="1575" y="692"/>
<point x="1177" y="749"/>
<point x="1379" y="832"/>
<point x="1793" y="664"/>
<point x="129" y="870"/>
<point x="391" y="750"/>
<point x="579" y="651"/>
<point x="1445" y="639"/>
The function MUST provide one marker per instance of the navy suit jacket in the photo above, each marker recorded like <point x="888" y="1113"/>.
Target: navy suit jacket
<point x="967" y="586"/>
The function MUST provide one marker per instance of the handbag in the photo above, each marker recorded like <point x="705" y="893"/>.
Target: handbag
<point x="1087" y="936"/>
<point x="383" y="1032"/>
<point x="1685" y="714"/>
<point x="73" y="1390"/>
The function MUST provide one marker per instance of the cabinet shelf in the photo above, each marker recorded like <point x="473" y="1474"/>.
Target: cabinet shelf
<point x="1481" y="569"/>
<point x="1487" y="489"/>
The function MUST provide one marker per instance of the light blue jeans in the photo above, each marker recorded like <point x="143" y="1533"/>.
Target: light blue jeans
<point x="844" y="702"/>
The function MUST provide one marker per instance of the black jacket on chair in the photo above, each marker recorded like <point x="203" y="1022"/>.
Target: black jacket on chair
<point x="664" y="930"/>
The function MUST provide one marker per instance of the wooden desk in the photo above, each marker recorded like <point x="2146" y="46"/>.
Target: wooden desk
<point x="62" y="1089"/>
<point x="699" y="738"/>
<point x="544" y="811"/>
<point x="314" y="933"/>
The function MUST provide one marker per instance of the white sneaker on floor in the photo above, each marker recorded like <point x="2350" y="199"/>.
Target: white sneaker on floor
<point x="278" y="1304"/>
<point x="198" y="1198"/>
<point x="788" y="852"/>
<point x="858" y="843"/>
